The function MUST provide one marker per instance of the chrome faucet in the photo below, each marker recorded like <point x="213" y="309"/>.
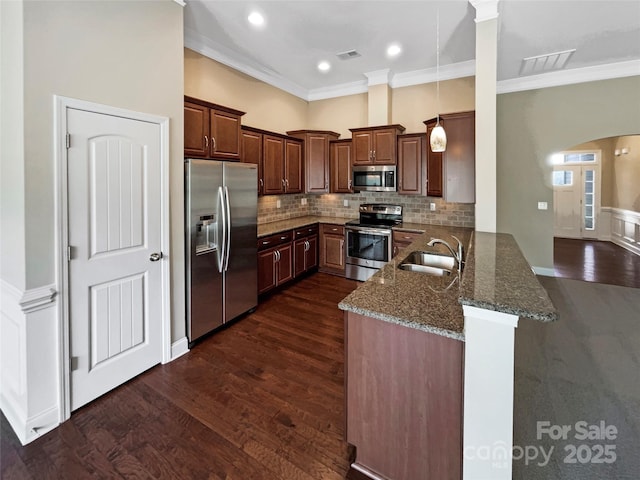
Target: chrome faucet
<point x="458" y="255"/>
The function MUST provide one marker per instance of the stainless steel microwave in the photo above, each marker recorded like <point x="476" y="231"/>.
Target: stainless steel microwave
<point x="374" y="178"/>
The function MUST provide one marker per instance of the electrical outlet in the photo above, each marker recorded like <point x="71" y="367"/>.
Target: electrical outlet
<point x="432" y="207"/>
<point x="303" y="201"/>
<point x="345" y="203"/>
<point x="278" y="203"/>
<point x="542" y="205"/>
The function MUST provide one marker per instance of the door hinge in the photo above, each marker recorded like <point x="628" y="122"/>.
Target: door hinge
<point x="67" y="140"/>
<point x="69" y="253"/>
<point x="73" y="363"/>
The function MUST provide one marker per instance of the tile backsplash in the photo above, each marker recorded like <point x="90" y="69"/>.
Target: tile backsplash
<point x="415" y="209"/>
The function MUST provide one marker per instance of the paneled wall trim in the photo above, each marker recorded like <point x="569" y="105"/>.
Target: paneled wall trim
<point x="625" y="228"/>
<point x="29" y="362"/>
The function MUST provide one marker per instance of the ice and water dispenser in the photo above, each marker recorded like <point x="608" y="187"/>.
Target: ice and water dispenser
<point x="206" y="234"/>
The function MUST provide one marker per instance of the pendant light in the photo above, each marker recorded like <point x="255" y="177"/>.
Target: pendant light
<point x="438" y="139"/>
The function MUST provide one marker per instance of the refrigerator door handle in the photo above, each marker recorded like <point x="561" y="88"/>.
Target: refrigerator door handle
<point x="227" y="239"/>
<point x="220" y="254"/>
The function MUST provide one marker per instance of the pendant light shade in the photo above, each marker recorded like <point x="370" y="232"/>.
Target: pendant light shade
<point x="438" y="139"/>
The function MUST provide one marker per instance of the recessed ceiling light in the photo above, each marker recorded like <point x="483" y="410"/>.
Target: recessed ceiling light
<point x="394" y="49"/>
<point x="324" y="66"/>
<point x="256" y="18"/>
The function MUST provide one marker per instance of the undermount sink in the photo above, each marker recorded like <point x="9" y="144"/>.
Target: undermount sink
<point x="430" y="263"/>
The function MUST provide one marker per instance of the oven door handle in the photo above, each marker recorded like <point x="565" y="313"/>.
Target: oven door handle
<point x="369" y="231"/>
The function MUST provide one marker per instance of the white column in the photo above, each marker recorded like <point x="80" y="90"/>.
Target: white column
<point x="379" y="98"/>
<point x="488" y="394"/>
<point x="486" y="77"/>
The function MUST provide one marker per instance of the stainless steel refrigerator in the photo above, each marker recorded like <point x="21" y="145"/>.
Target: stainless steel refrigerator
<point x="221" y="215"/>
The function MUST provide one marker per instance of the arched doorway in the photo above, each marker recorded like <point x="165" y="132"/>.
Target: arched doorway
<point x="597" y="211"/>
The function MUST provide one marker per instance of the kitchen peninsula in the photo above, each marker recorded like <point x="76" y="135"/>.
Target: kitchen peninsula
<point x="429" y="359"/>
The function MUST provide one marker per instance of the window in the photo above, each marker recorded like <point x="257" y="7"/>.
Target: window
<point x="579" y="157"/>
<point x="589" y="210"/>
<point x="562" y="178"/>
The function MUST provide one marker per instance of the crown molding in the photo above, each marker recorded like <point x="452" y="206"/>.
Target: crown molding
<point x="569" y="77"/>
<point x="219" y="53"/>
<point x="182" y="3"/>
<point x="207" y="47"/>
<point x="485" y="9"/>
<point x="428" y="75"/>
<point x="379" y="77"/>
<point x="341" y="90"/>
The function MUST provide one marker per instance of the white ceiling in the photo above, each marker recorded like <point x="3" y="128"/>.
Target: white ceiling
<point x="299" y="34"/>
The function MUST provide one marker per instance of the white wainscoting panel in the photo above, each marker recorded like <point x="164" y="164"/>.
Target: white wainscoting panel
<point x="625" y="229"/>
<point x="29" y="360"/>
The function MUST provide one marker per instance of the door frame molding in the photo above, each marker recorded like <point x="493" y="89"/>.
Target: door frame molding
<point x="60" y="106"/>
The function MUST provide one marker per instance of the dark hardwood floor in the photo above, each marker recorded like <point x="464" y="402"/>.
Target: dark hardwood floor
<point x="595" y="261"/>
<point x="262" y="399"/>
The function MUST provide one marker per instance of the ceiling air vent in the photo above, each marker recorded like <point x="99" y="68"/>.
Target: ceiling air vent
<point x="545" y="63"/>
<point x="347" y="55"/>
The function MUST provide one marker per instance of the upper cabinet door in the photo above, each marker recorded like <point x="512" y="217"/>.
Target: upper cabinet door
<point x="273" y="165"/>
<point x="196" y="130"/>
<point x="293" y="167"/>
<point x="434" y="165"/>
<point x="317" y="163"/>
<point x="410" y="164"/>
<point x="384" y="147"/>
<point x="341" y="167"/>
<point x="225" y="135"/>
<point x="362" y="148"/>
<point x="252" y="153"/>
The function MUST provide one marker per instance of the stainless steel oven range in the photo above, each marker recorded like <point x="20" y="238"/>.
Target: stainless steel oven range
<point x="368" y="240"/>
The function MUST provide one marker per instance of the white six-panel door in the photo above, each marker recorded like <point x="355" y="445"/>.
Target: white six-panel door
<point x="114" y="230"/>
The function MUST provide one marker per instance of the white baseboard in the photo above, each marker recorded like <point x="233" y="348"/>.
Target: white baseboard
<point x="545" y="272"/>
<point x="179" y="348"/>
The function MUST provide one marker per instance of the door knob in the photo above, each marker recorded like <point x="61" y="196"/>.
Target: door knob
<point x="154" y="257"/>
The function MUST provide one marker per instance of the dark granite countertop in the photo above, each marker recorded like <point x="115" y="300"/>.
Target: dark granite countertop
<point x="413" y="299"/>
<point x="496" y="277"/>
<point x="270" y="228"/>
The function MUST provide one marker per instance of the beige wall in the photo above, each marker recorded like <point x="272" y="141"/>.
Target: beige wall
<point x="532" y="125"/>
<point x="123" y="54"/>
<point x="626" y="174"/>
<point x="339" y="114"/>
<point x="12" y="205"/>
<point x="411" y="106"/>
<point x="267" y="107"/>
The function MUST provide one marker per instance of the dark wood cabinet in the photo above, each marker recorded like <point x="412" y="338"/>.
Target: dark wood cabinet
<point x="281" y="165"/>
<point x="293" y="180"/>
<point x="332" y="249"/>
<point x="211" y="131"/>
<point x="252" y="152"/>
<point x="411" y="164"/>
<point x="316" y="158"/>
<point x="196" y="130"/>
<point x="275" y="261"/>
<point x="305" y="248"/>
<point x="273" y="165"/>
<point x="402" y="239"/>
<point x="340" y="167"/>
<point x="404" y="397"/>
<point x="451" y="174"/>
<point x="375" y="145"/>
<point x="434" y="167"/>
